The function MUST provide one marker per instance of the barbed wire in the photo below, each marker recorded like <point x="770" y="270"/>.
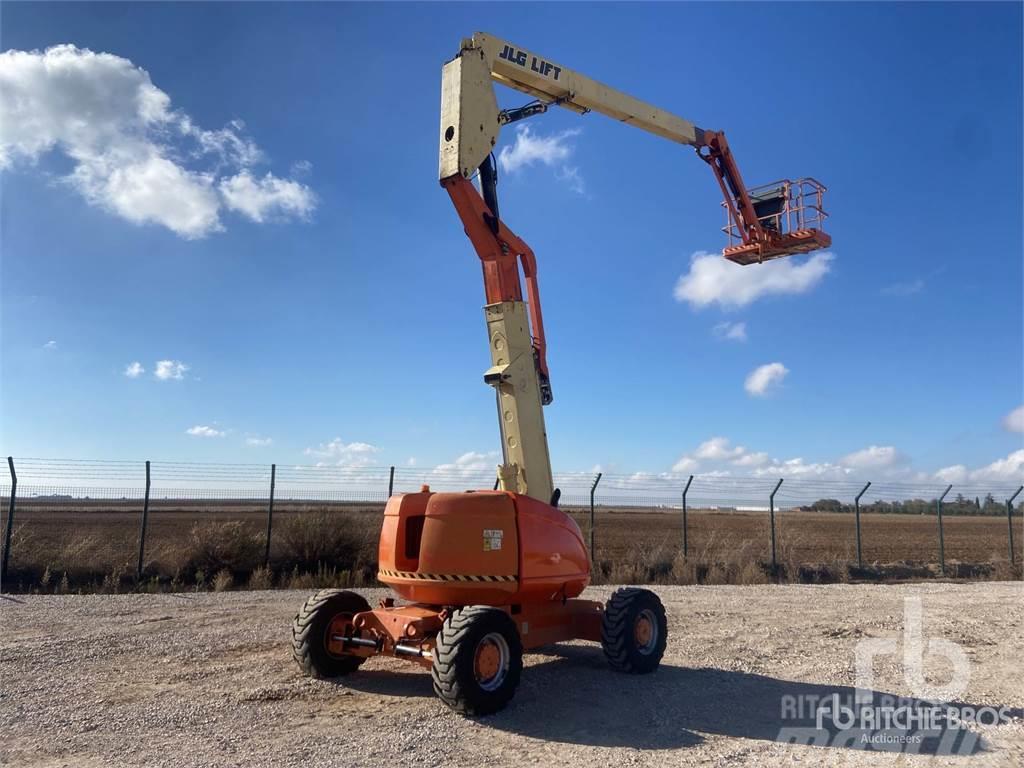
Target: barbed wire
<point x="94" y="480"/>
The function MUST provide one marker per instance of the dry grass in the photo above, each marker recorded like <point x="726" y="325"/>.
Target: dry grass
<point x="662" y="564"/>
<point x="261" y="578"/>
<point x="321" y="547"/>
<point x="735" y="548"/>
<point x="331" y="546"/>
<point x="221" y="547"/>
<point x="323" y="538"/>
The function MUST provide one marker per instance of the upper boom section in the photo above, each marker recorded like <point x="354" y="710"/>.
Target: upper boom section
<point x="530" y="73"/>
<point x="470" y="120"/>
<point x="785" y="218"/>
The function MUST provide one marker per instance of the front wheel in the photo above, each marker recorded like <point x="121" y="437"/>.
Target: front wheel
<point x="310" y="628"/>
<point x="634" y="631"/>
<point x="478" y="659"/>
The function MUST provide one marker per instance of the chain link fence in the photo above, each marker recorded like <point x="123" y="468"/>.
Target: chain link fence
<point x="110" y="524"/>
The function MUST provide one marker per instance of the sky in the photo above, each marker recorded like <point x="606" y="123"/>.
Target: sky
<point x="223" y="239"/>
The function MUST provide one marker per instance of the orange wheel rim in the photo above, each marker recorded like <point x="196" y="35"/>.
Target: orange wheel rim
<point x="643" y="631"/>
<point x="647" y="632"/>
<point x="339" y="626"/>
<point x="487" y="663"/>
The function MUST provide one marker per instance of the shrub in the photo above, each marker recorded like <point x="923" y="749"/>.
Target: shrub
<point x="328" y="576"/>
<point x="215" y="547"/>
<point x="261" y="578"/>
<point x="223" y="581"/>
<point x="315" y="540"/>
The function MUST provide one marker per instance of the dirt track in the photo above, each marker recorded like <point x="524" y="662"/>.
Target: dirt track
<point x="206" y="679"/>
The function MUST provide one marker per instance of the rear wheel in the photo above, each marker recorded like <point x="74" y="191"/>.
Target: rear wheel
<point x="310" y="630"/>
<point x="634" y="630"/>
<point x="478" y="659"/>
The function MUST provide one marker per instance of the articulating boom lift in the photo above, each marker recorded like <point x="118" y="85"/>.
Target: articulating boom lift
<point x="490" y="573"/>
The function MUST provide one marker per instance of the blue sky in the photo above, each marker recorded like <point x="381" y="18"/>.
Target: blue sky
<point x="331" y="311"/>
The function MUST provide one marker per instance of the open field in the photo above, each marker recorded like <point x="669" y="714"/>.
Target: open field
<point x="177" y="680"/>
<point x="632" y="545"/>
<point x="805" y="537"/>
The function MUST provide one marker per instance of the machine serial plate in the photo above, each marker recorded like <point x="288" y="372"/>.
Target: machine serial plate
<point x="492" y="539"/>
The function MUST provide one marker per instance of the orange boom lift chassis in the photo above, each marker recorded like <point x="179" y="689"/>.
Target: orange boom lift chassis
<point x="487" y="575"/>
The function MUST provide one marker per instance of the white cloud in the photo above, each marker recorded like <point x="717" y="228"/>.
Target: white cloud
<point x="1009" y="469"/>
<point x="259" y="199"/>
<point x="228" y="144"/>
<point x="572" y="178"/>
<point x="170" y="369"/>
<point x="764" y="378"/>
<point x="797" y="467"/>
<point x="131" y="153"/>
<point x="904" y="289"/>
<point x="344" y="454"/>
<point x="1014" y="420"/>
<point x="755" y="459"/>
<point x="134" y="370"/>
<point x="954" y="474"/>
<point x="553" y="151"/>
<point x="150" y="190"/>
<point x="718" y="449"/>
<point x="718" y="457"/>
<point x="259" y="442"/>
<point x="529" y="149"/>
<point x="468" y="463"/>
<point x="731" y="331"/>
<point x="201" y="430"/>
<point x="51" y="344"/>
<point x="874" y="457"/>
<point x="685" y="464"/>
<point x="640" y="478"/>
<point x="713" y="279"/>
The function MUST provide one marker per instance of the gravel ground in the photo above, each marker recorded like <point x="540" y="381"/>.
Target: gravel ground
<point x="207" y="680"/>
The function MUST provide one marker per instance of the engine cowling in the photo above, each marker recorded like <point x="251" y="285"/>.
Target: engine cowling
<point x="480" y="548"/>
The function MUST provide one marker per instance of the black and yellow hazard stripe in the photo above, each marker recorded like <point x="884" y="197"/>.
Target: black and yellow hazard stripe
<point x="442" y="576"/>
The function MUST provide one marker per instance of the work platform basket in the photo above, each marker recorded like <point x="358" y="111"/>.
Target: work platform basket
<point x="791" y="215"/>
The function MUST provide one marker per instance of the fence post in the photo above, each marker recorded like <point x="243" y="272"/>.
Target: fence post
<point x="142" y="530"/>
<point x="270" y="514"/>
<point x="10" y="520"/>
<point x="391" y="482"/>
<point x="771" y="511"/>
<point x="1010" y="521"/>
<point x="592" y="489"/>
<point x="942" y="540"/>
<point x="686" y="541"/>
<point x="856" y="508"/>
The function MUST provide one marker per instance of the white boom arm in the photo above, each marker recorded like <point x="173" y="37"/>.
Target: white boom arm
<point x="470" y="123"/>
<point x="494" y="59"/>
